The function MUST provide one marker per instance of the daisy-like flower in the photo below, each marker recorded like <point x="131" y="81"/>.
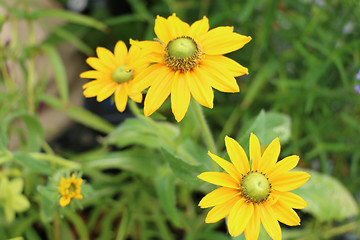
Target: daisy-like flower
<point x="250" y="194"/>
<point x="69" y="189"/>
<point x="112" y="76"/>
<point x="187" y="61"/>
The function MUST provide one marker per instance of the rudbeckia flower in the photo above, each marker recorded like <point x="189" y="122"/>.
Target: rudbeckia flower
<point x="69" y="189"/>
<point x="112" y="75"/>
<point x="187" y="61"/>
<point x="256" y="192"/>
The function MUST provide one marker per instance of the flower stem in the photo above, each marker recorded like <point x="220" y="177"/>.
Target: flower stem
<point x="199" y="115"/>
<point x="187" y="157"/>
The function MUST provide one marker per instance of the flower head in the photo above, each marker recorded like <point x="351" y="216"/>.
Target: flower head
<point x="187" y="61"/>
<point x="11" y="197"/>
<point x="69" y="188"/>
<point x="358" y="75"/>
<point x="112" y="75"/>
<point x="254" y="192"/>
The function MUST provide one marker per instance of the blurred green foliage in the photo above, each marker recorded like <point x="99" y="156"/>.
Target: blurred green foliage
<point x="302" y="62"/>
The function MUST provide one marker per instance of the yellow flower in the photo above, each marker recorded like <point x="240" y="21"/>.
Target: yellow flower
<point x="260" y="193"/>
<point x="187" y="60"/>
<point x="112" y="75"/>
<point x="69" y="188"/>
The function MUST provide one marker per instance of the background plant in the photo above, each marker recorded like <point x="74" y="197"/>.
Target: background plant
<point x="141" y="174"/>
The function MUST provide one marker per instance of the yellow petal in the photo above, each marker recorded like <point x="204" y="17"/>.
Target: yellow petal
<point x="269" y="221"/>
<point x="237" y="155"/>
<point x="93" y="74"/>
<point x="218" y="79"/>
<point x="239" y="217"/>
<point x="136" y="59"/>
<point x="120" y="98"/>
<point x="148" y="46"/>
<point x="222" y="40"/>
<point x="283" y="166"/>
<point x="270" y="156"/>
<point x="97" y="64"/>
<point x="106" y="92"/>
<point x="120" y="53"/>
<point x="94" y="83"/>
<point x="289" y="181"/>
<point x="227" y="166"/>
<point x="106" y="57"/>
<point x="200" y="88"/>
<point x="65" y="200"/>
<point x="161" y="29"/>
<point x="220" y="211"/>
<point x="180" y="96"/>
<point x="255" y="152"/>
<point x="78" y="196"/>
<point x="176" y="27"/>
<point x="147" y="77"/>
<point x="137" y="97"/>
<point x="290" y="199"/>
<point x="199" y="27"/>
<point x="285" y="214"/>
<point x="220" y="179"/>
<point x="158" y="93"/>
<point x="95" y="89"/>
<point x="252" y="229"/>
<point x="226" y="64"/>
<point x="218" y="196"/>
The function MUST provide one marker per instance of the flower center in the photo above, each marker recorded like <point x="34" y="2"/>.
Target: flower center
<point x="119" y="75"/>
<point x="255" y="187"/>
<point x="72" y="188"/>
<point x="182" y="54"/>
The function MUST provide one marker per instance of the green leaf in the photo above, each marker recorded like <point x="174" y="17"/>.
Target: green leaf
<point x="135" y="160"/>
<point x="59" y="71"/>
<point x="327" y="198"/>
<point x="135" y="131"/>
<point x="47" y="209"/>
<point x="33" y="164"/>
<point x="70" y="17"/>
<point x="165" y="189"/>
<point x="35" y="133"/>
<point x="267" y="126"/>
<point x="62" y="33"/>
<point x="186" y="172"/>
<point x="79" y="114"/>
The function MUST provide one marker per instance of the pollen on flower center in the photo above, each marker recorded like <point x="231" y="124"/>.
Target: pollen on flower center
<point x="255" y="187"/>
<point x="119" y="75"/>
<point x="182" y="54"/>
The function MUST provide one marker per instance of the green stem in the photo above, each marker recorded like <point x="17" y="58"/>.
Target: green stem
<point x="55" y="160"/>
<point x="187" y="157"/>
<point x="346" y="228"/>
<point x="78" y="224"/>
<point x="199" y="115"/>
<point x="229" y="125"/>
<point x="31" y="64"/>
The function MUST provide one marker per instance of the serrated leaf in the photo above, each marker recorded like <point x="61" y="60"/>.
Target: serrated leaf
<point x="327" y="198"/>
<point x="186" y="172"/>
<point x="267" y="126"/>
